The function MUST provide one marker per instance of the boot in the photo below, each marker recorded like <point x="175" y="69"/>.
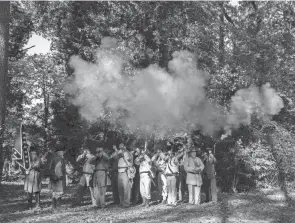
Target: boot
<point x="143" y="201"/>
<point x="164" y="201"/>
<point x="30" y="204"/>
<point x="37" y="197"/>
<point x="53" y="203"/>
<point x="147" y="202"/>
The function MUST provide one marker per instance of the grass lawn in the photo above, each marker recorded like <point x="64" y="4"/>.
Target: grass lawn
<point x="263" y="206"/>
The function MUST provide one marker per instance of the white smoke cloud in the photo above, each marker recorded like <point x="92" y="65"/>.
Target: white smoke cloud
<point x="245" y="102"/>
<point x="153" y="100"/>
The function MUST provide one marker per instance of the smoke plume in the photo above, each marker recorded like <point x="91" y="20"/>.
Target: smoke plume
<point x="150" y="100"/>
<point x="248" y="101"/>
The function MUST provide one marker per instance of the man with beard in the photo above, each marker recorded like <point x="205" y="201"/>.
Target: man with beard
<point x="193" y="167"/>
<point x="100" y="177"/>
<point x="57" y="183"/>
<point x="33" y="179"/>
<point x="88" y="169"/>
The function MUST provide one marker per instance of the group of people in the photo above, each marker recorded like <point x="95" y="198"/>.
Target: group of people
<point x="131" y="173"/>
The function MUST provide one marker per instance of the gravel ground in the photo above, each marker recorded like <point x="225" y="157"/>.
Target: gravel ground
<point x="263" y="207"/>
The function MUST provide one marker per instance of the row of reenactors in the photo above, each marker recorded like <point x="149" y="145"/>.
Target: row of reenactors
<point x="131" y="173"/>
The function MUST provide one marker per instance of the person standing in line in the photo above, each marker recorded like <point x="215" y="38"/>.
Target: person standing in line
<point x="144" y="163"/>
<point x="194" y="167"/>
<point x="100" y="177"/>
<point x="160" y="160"/>
<point x="88" y="169"/>
<point x="209" y="176"/>
<point x="113" y="163"/>
<point x="57" y="183"/>
<point x="182" y="177"/>
<point x="126" y="173"/>
<point x="135" y="192"/>
<point x="33" y="179"/>
<point x="172" y="174"/>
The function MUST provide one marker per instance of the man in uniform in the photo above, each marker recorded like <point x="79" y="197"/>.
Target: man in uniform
<point x="100" y="177"/>
<point x="160" y="160"/>
<point x="113" y="162"/>
<point x="144" y="163"/>
<point x="135" y="192"/>
<point x="209" y="176"/>
<point x="125" y="175"/>
<point x="193" y="167"/>
<point x="88" y="169"/>
<point x="57" y="183"/>
<point x="172" y="174"/>
<point x="33" y="179"/>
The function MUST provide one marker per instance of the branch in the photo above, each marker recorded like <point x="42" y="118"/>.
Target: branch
<point x="228" y="18"/>
<point x="26" y="48"/>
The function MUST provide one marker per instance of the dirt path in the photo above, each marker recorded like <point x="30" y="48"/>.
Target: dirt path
<point x="262" y="207"/>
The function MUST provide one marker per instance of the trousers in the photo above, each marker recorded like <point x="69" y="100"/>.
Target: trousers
<point x="172" y="190"/>
<point x="99" y="188"/>
<point x="210" y="189"/>
<point x="182" y="186"/>
<point x="114" y="179"/>
<point x="162" y="185"/>
<point x="194" y="194"/>
<point x="145" y="186"/>
<point x="124" y="187"/>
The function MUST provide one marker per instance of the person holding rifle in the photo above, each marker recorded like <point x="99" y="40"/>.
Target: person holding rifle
<point x="33" y="179"/>
<point x="160" y="159"/>
<point x="88" y="169"/>
<point x="172" y="174"/>
<point x="135" y="192"/>
<point x="113" y="163"/>
<point x="126" y="173"/>
<point x="144" y="163"/>
<point x="209" y="176"/>
<point x="194" y="167"/>
<point x="100" y="177"/>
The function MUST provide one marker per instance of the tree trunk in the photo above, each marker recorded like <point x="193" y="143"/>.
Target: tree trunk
<point x="4" y="36"/>
<point x="281" y="173"/>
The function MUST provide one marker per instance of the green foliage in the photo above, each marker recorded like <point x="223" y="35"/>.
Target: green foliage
<point x="237" y="45"/>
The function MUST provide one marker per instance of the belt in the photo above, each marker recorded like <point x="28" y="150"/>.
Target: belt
<point x="145" y="172"/>
<point x="172" y="174"/>
<point x="87" y="173"/>
<point x="101" y="170"/>
<point x="192" y="172"/>
<point x="122" y="167"/>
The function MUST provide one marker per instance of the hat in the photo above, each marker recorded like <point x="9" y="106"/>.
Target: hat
<point x="195" y="150"/>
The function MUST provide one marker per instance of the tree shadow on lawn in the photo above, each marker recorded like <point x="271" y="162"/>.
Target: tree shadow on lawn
<point x="254" y="207"/>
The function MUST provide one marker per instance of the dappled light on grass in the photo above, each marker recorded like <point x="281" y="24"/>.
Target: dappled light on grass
<point x="258" y="207"/>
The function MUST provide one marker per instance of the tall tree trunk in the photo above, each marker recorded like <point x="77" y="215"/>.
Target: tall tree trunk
<point x="281" y="173"/>
<point x="4" y="36"/>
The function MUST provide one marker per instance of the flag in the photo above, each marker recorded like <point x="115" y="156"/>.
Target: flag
<point x="21" y="150"/>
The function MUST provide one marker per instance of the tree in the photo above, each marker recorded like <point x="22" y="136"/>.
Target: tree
<point x="4" y="36"/>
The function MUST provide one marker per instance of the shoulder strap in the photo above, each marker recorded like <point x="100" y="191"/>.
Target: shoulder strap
<point x="169" y="166"/>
